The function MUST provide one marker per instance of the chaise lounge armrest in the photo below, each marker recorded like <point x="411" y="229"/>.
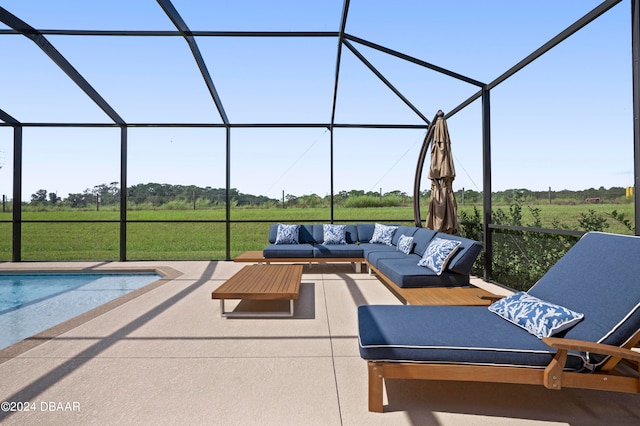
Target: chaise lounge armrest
<point x="597" y="348"/>
<point x="553" y="374"/>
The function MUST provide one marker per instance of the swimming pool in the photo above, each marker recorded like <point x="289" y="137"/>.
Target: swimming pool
<point x="31" y="303"/>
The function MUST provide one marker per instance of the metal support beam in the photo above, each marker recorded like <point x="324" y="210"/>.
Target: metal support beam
<point x="163" y="33"/>
<point x="635" y="47"/>
<point x="486" y="186"/>
<point x="123" y="193"/>
<point x="331" y="166"/>
<point x="385" y="81"/>
<point x="8" y="119"/>
<point x="16" y="250"/>
<point x="36" y="36"/>
<point x="228" y="196"/>
<point x="414" y="60"/>
<point x="343" y="25"/>
<point x="177" y="20"/>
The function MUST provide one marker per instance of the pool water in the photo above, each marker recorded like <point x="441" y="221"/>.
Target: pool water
<point x="31" y="303"/>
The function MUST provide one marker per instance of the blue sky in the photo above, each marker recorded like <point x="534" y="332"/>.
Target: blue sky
<point x="563" y="122"/>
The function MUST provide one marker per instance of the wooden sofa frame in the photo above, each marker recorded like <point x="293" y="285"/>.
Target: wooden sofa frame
<point x="412" y="296"/>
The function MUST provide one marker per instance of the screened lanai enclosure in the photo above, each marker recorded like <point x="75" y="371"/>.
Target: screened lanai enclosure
<point x="250" y="103"/>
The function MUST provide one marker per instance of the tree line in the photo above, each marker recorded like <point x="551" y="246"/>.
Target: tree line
<point x="151" y="194"/>
<point x="156" y="195"/>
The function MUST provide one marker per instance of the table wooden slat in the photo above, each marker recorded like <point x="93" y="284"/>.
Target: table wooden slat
<point x="262" y="282"/>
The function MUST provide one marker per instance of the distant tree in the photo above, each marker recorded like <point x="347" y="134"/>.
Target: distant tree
<point x="53" y="198"/>
<point x="77" y="200"/>
<point x="292" y="200"/>
<point x="40" y="196"/>
<point x="396" y="193"/>
<point x="109" y="194"/>
<point x="470" y="196"/>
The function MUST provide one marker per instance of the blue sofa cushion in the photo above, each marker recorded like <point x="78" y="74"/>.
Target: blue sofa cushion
<point x="374" y="257"/>
<point x="598" y="277"/>
<point x="288" y="250"/>
<point x="337" y="250"/>
<point x="383" y="234"/>
<point x="462" y="261"/>
<point x="365" y="232"/>
<point x="287" y="234"/>
<point x="305" y="233"/>
<point x="540" y="318"/>
<point x="405" y="272"/>
<point x="369" y="249"/>
<point x="351" y="234"/>
<point x="403" y="230"/>
<point x="438" y="254"/>
<point x="333" y="234"/>
<point x="450" y="334"/>
<point x="273" y="231"/>
<point x="421" y="238"/>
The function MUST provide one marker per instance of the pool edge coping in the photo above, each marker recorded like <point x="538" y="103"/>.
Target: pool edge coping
<point x="167" y="274"/>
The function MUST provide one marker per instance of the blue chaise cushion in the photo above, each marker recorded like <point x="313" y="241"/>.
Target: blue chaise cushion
<point x="598" y="277"/>
<point x="450" y="334"/>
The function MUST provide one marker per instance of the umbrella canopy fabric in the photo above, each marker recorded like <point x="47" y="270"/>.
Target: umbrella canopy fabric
<point x="442" y="204"/>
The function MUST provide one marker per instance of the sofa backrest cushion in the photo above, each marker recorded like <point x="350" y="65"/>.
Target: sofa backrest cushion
<point x="351" y="234"/>
<point x="599" y="277"/>
<point x="306" y="234"/>
<point x="466" y="255"/>
<point x="273" y="233"/>
<point x="318" y="234"/>
<point x="365" y="232"/>
<point x="421" y="238"/>
<point x="403" y="230"/>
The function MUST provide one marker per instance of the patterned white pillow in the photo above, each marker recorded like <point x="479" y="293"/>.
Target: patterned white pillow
<point x="405" y="244"/>
<point x="334" y="234"/>
<point x="540" y="318"/>
<point x="287" y="234"/>
<point x="383" y="234"/>
<point x="438" y="254"/>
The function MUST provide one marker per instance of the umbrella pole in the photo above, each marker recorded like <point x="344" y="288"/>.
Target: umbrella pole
<point x="421" y="158"/>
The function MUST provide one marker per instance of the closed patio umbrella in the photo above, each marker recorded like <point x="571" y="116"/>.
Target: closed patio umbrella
<point x="443" y="208"/>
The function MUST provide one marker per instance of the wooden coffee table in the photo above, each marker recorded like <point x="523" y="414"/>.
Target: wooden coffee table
<point x="261" y="282"/>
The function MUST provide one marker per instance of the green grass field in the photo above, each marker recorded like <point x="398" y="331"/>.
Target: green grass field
<point x="195" y="241"/>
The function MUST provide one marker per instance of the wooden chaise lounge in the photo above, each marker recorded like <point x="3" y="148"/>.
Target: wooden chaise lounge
<point x="598" y="278"/>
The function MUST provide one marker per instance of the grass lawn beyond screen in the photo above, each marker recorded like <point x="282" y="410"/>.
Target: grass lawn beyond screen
<point x="153" y="239"/>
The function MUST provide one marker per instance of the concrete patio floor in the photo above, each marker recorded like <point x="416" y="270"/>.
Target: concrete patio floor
<point x="166" y="356"/>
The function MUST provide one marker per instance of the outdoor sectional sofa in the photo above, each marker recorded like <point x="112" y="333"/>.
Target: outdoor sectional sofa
<point x="384" y="258"/>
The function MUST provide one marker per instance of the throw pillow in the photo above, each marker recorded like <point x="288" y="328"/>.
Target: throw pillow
<point x="438" y="254"/>
<point x="383" y="234"/>
<point x="287" y="234"/>
<point x="405" y="244"/>
<point x="334" y="234"/>
<point x="540" y="318"/>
